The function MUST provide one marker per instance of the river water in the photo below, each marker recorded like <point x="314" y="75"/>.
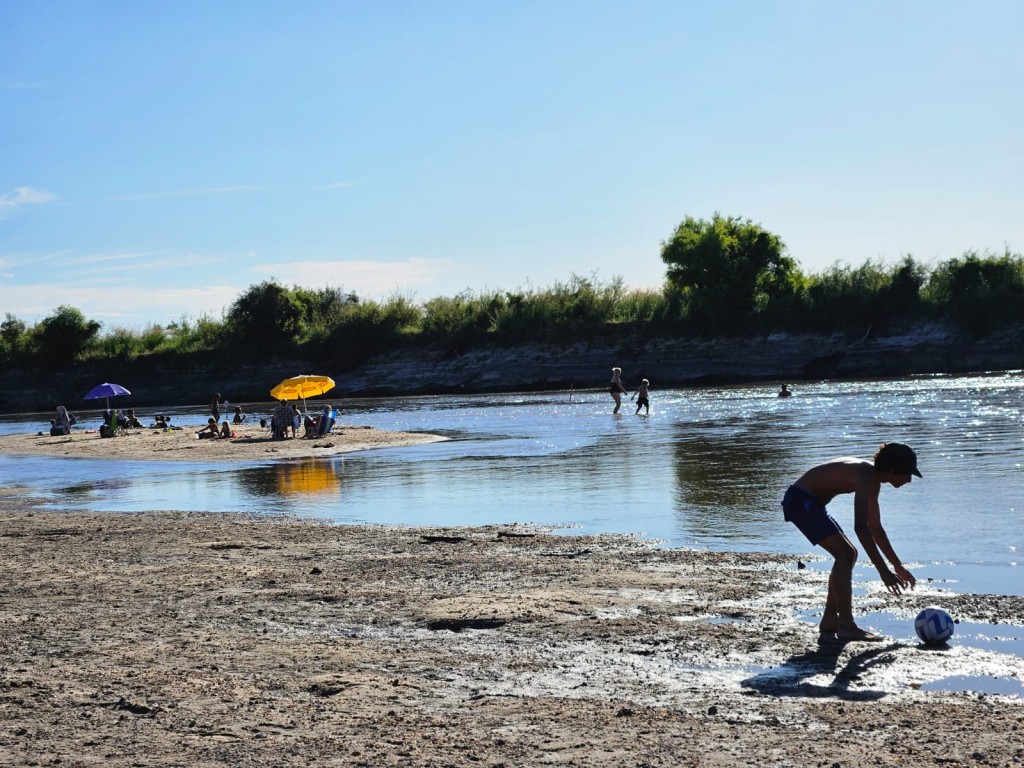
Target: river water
<point x="706" y="469"/>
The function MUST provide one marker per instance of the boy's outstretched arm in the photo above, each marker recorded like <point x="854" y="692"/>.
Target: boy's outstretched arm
<point x="880" y="537"/>
<point x="868" y="526"/>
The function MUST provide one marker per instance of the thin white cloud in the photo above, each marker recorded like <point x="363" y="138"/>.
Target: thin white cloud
<point x="95" y="266"/>
<point x="22" y="196"/>
<point x="98" y="258"/>
<point x="366" y="278"/>
<point x="332" y="185"/>
<point x="118" y="304"/>
<point x="17" y="260"/>
<point x="221" y="190"/>
<point x="107" y="291"/>
<point x="179" y="193"/>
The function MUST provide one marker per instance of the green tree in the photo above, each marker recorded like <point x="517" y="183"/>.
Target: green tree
<point x="63" y="336"/>
<point x="722" y="272"/>
<point x="12" y="338"/>
<point x="267" y="316"/>
<point x="981" y="292"/>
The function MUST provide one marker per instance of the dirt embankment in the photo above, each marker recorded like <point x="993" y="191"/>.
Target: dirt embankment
<point x="165" y="639"/>
<point x="581" y="364"/>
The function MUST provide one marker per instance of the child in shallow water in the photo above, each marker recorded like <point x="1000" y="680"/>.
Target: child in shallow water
<point x="642" y="400"/>
<point x="804" y="506"/>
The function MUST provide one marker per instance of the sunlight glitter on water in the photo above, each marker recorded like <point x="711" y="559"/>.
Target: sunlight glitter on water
<point x="706" y="469"/>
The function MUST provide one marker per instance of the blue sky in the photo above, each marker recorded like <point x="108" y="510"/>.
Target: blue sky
<point x="156" y="159"/>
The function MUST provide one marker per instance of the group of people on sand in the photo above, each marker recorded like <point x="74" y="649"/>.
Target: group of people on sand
<point x="112" y="422"/>
<point x="287" y="418"/>
<point x="212" y="430"/>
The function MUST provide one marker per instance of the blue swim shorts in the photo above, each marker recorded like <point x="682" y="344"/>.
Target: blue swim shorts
<point x="808" y="514"/>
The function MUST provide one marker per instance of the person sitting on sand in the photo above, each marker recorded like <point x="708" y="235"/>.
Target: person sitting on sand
<point x="210" y="430"/>
<point x="326" y="421"/>
<point x="280" y="420"/>
<point x="64" y="421"/>
<point x="804" y="506"/>
<point x="113" y="421"/>
<point x="239" y="416"/>
<point x="130" y="420"/>
<point x="225" y="430"/>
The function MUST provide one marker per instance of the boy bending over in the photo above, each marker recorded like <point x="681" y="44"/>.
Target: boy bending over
<point x="804" y="506"/>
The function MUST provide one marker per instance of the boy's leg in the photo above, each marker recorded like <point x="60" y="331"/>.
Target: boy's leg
<point x="838" y="614"/>
<point x="839" y="603"/>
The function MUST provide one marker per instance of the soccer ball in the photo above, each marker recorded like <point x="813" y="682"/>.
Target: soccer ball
<point x="933" y="625"/>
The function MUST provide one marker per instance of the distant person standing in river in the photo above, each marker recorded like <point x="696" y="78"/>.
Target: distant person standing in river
<point x="215" y="406"/>
<point x="616" y="389"/>
<point x="784" y="391"/>
<point x="642" y="400"/>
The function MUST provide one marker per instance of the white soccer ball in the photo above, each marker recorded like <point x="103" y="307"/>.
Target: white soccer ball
<point x="933" y="625"/>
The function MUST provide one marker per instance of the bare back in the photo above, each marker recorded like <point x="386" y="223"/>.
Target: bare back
<point x="843" y="475"/>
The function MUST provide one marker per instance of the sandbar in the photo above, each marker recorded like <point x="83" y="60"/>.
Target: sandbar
<point x="249" y="443"/>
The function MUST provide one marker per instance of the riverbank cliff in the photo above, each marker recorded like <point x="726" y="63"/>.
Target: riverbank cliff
<point x="577" y="364"/>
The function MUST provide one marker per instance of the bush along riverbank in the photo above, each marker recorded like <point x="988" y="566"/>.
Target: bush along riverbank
<point x="584" y="364"/>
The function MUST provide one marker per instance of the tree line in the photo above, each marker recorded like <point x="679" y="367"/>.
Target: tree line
<point x="725" y="276"/>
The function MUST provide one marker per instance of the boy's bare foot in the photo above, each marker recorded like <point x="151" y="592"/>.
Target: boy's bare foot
<point x="856" y="633"/>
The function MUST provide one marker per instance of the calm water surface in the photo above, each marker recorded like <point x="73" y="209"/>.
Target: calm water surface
<point x="706" y="468"/>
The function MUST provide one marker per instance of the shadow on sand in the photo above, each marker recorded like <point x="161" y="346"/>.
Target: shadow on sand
<point x="793" y="677"/>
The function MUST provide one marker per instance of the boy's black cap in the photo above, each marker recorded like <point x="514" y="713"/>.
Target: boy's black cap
<point x="898" y="458"/>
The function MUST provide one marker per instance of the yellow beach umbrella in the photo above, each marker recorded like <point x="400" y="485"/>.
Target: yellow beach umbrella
<point x="302" y="387"/>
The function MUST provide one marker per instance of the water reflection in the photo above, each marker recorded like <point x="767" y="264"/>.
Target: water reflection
<point x="728" y="479"/>
<point x="304" y="477"/>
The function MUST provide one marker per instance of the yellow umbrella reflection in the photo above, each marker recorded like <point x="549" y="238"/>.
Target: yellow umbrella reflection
<point x="308" y="477"/>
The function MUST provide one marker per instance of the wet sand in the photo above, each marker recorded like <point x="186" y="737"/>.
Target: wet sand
<point x="165" y="638"/>
<point x="249" y="443"/>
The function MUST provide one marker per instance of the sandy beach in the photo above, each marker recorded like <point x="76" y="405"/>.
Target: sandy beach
<point x="165" y="638"/>
<point x="249" y="443"/>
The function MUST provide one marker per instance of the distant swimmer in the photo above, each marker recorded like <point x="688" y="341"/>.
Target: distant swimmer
<point x="784" y="391"/>
<point x="616" y="389"/>
<point x="642" y="400"/>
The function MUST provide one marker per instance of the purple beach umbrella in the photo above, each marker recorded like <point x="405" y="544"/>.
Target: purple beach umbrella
<point x="106" y="391"/>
